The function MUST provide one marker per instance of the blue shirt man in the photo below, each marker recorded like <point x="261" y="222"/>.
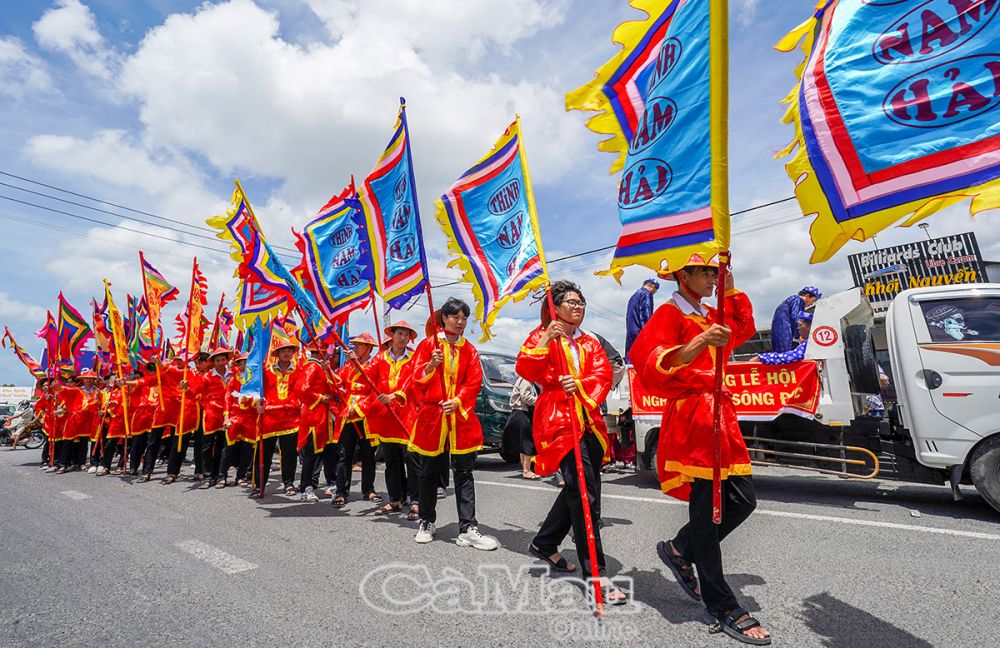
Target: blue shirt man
<point x="803" y="324"/>
<point x="784" y="324"/>
<point x="640" y="309"/>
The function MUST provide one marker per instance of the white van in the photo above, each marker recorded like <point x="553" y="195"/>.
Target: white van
<point x="944" y="351"/>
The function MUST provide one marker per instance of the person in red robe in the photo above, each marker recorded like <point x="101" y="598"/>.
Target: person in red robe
<point x="241" y="424"/>
<point x="447" y="377"/>
<point x="572" y="385"/>
<point x="674" y="357"/>
<point x="390" y="416"/>
<point x="142" y="405"/>
<point x="114" y="442"/>
<point x="351" y="432"/>
<point x="319" y="398"/>
<point x="179" y="401"/>
<point x="211" y="388"/>
<point x="45" y="411"/>
<point x="82" y="405"/>
<point x="280" y="420"/>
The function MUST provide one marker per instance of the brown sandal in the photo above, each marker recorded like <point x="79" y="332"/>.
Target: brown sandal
<point x="388" y="508"/>
<point x="414" y="513"/>
<point x="339" y="501"/>
<point x="169" y="479"/>
<point x="222" y="483"/>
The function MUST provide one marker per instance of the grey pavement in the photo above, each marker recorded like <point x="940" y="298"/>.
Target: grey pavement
<point x="823" y="562"/>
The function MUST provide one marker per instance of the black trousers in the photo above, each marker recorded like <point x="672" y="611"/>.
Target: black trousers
<point x="136" y="451"/>
<point x="198" y="443"/>
<point x="74" y="453"/>
<point x="289" y="458"/>
<point x="465" y="487"/>
<point x="177" y="455"/>
<point x="353" y="446"/>
<point x="110" y="449"/>
<point x="238" y="455"/>
<point x="154" y="441"/>
<point x="402" y="476"/>
<point x="698" y="541"/>
<point x="567" y="511"/>
<point x="312" y="462"/>
<point x="210" y="454"/>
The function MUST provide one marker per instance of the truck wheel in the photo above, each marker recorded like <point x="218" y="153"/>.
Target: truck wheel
<point x="985" y="471"/>
<point x="649" y="450"/>
<point x="861" y="359"/>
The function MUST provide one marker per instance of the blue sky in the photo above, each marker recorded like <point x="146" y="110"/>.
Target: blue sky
<point x="158" y="105"/>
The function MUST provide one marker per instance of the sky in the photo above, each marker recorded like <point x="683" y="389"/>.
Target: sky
<point x="152" y="107"/>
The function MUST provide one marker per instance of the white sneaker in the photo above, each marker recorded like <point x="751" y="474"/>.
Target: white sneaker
<point x="309" y="496"/>
<point x="91" y="470"/>
<point x="425" y="532"/>
<point x="473" y="538"/>
<point x="102" y="471"/>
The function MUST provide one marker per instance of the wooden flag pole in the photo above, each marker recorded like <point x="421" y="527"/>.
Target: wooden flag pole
<point x="187" y="357"/>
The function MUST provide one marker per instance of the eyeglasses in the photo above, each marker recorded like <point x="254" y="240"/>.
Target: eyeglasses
<point x="575" y="303"/>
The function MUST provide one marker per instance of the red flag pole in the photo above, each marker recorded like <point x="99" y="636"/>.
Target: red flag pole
<point x="581" y="478"/>
<point x="149" y="322"/>
<point x="187" y="355"/>
<point x="720" y="368"/>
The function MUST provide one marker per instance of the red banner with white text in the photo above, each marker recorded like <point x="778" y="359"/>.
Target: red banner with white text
<point x="761" y="392"/>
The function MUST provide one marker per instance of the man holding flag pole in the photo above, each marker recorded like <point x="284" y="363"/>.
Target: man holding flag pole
<point x="674" y="207"/>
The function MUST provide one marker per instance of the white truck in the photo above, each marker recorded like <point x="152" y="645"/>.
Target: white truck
<point x="943" y="425"/>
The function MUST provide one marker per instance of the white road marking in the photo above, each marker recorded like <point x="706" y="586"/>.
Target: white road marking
<point x="217" y="558"/>
<point x="784" y="514"/>
<point x="75" y="495"/>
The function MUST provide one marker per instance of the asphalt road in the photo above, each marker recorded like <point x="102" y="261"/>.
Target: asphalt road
<point x="823" y="562"/>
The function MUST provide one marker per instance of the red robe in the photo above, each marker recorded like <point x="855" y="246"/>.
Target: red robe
<point x="316" y="417"/>
<point x="45" y="411"/>
<point x="211" y="391"/>
<point x="242" y="414"/>
<point x="115" y="415"/>
<point x="142" y="404"/>
<point x="356" y="391"/>
<point x="433" y="432"/>
<point x="82" y="412"/>
<point x="281" y="401"/>
<point x="390" y="377"/>
<point x="551" y="423"/>
<point x="685" y="448"/>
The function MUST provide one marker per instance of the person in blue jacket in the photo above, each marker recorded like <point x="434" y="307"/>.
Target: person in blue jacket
<point x="640" y="309"/>
<point x="803" y="324"/>
<point x="784" y="325"/>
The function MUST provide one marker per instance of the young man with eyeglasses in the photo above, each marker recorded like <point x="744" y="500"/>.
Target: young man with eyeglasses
<point x="572" y="386"/>
<point x="675" y="357"/>
<point x="447" y="377"/>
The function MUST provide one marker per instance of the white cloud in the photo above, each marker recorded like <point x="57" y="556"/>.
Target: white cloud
<point x="746" y="11"/>
<point x="223" y="84"/>
<point x="21" y="73"/>
<point x="15" y="310"/>
<point x="70" y="28"/>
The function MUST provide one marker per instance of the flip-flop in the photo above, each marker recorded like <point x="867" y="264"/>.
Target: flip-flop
<point x="685" y="578"/>
<point x="387" y="509"/>
<point x="559" y="565"/>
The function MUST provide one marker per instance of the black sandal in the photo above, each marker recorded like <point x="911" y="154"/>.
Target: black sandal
<point x="414" y="513"/>
<point x="559" y="565"/>
<point x="736" y="630"/>
<point x="169" y="479"/>
<point x="339" y="501"/>
<point x="388" y="508"/>
<point x="205" y="485"/>
<point x="682" y="569"/>
<point x="222" y="483"/>
<point x="373" y="497"/>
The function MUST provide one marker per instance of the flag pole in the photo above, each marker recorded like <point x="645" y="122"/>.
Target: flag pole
<point x="563" y="368"/>
<point x="118" y="365"/>
<point x="378" y="328"/>
<point x="719" y="142"/>
<point x="149" y="322"/>
<point x="187" y="343"/>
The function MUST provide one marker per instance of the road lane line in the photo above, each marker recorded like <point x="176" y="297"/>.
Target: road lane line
<point x="217" y="558"/>
<point x="785" y="514"/>
<point x="75" y="495"/>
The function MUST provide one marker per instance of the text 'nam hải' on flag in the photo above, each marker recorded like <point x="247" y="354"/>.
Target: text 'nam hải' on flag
<point x="73" y="333"/>
<point x="489" y="218"/>
<point x="33" y="367"/>
<point x="672" y="198"/>
<point x="337" y="265"/>
<point x="392" y="218"/>
<point x="895" y="114"/>
<point x="618" y="90"/>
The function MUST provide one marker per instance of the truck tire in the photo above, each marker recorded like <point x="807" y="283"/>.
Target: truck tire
<point x="861" y="359"/>
<point x="985" y="471"/>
